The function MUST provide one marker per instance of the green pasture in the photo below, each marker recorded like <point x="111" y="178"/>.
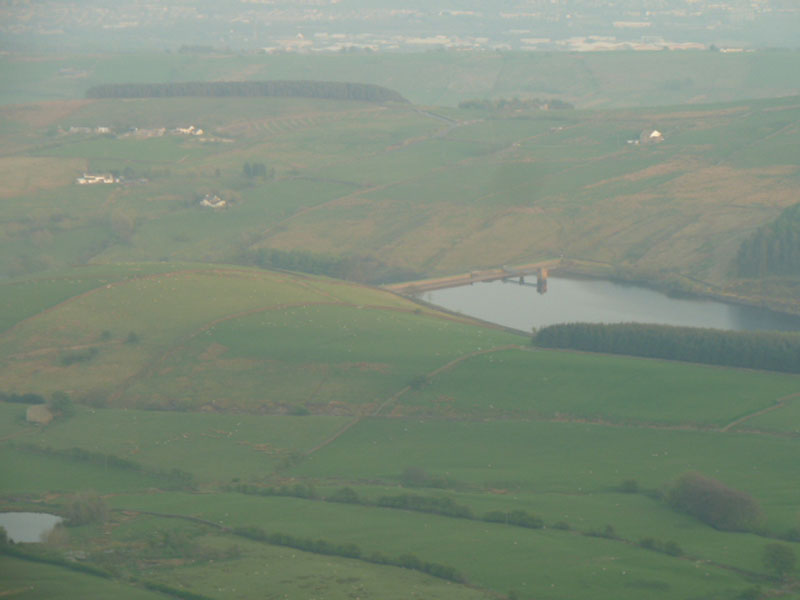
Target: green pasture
<point x="563" y="457"/>
<point x="158" y="150"/>
<point x="564" y="385"/>
<point x="224" y="337"/>
<point x="350" y="136"/>
<point x="784" y="420"/>
<point x="26" y="580"/>
<point x="356" y="359"/>
<point x="213" y="447"/>
<point x="290" y="573"/>
<point x="536" y="563"/>
<point x="406" y="163"/>
<point x="495" y="131"/>
<point x="185" y="302"/>
<point x="410" y="189"/>
<point x="632" y="515"/>
<point x="190" y="231"/>
<point x="26" y="297"/>
<point x="28" y="472"/>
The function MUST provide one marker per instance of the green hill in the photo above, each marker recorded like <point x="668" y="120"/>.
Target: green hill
<point x="398" y="190"/>
<point x="293" y="417"/>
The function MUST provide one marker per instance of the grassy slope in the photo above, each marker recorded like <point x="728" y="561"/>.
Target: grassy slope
<point x="24" y="580"/>
<point x="504" y="431"/>
<point x="402" y="186"/>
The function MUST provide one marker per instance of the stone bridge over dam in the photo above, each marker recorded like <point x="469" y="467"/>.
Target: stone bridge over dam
<point x="540" y="269"/>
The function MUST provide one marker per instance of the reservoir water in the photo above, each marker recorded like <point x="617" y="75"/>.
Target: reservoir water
<point x="28" y="526"/>
<point x="598" y="301"/>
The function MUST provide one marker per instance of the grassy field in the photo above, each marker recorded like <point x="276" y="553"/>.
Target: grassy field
<point x="193" y="372"/>
<point x="273" y="379"/>
<point x="415" y="190"/>
<point x="33" y="581"/>
<point x="537" y="563"/>
<point x="547" y="385"/>
<point x="224" y="337"/>
<point x="295" y="574"/>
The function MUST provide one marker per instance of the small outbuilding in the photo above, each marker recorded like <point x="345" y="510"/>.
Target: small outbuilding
<point x="651" y="136"/>
<point x="213" y="201"/>
<point x="39" y="414"/>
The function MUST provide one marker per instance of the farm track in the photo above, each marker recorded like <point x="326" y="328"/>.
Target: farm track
<point x="779" y="404"/>
<point x="391" y="399"/>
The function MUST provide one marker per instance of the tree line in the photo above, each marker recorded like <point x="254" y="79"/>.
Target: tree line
<point x="361" y="269"/>
<point x="49" y="558"/>
<point x="350" y="550"/>
<point x="175" y="478"/>
<point x="27" y="398"/>
<point x="445" y="507"/>
<point x="773" y="249"/>
<point x="772" y="351"/>
<point x="516" y="104"/>
<point x="330" y="90"/>
<point x="256" y="169"/>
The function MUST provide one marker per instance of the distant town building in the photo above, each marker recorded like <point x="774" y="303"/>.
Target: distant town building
<point x="213" y="201"/>
<point x="651" y="136"/>
<point x="89" y="179"/>
<point x="191" y="130"/>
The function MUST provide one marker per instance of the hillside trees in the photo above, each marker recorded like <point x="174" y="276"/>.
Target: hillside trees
<point x="773" y="249"/>
<point x="779" y="558"/>
<point x="85" y="508"/>
<point x="256" y="169"/>
<point x="332" y="90"/>
<point x="713" y="502"/>
<point x="772" y="351"/>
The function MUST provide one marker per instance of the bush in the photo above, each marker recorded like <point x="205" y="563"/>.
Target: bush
<point x="671" y="548"/>
<point x="86" y="508"/>
<point x="792" y="535"/>
<point x="346" y="495"/>
<point x="520" y="518"/>
<point x="77" y="356"/>
<point x="779" y="558"/>
<point x="62" y="404"/>
<point x="439" y="506"/>
<point x="714" y="503"/>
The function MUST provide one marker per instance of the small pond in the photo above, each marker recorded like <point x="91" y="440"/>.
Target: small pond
<point x="28" y="526"/>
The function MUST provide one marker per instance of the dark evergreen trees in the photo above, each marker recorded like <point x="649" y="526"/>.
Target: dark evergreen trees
<point x="773" y="249"/>
<point x="333" y="90"/>
<point x="773" y="351"/>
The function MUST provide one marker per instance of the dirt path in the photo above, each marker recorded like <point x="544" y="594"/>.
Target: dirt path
<point x="391" y="399"/>
<point x="779" y="404"/>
